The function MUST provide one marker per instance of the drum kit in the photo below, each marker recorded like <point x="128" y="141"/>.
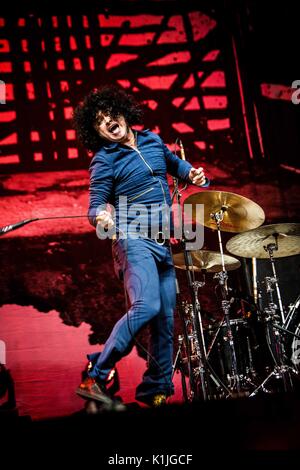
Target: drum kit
<point x="227" y="359"/>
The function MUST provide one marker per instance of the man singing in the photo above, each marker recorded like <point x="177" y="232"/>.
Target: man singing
<point x="132" y="166"/>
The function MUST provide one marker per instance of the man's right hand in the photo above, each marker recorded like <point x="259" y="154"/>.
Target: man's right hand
<point x="105" y="219"/>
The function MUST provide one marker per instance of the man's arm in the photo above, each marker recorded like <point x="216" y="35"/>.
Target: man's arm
<point x="101" y="185"/>
<point x="182" y="169"/>
<point x="176" y="166"/>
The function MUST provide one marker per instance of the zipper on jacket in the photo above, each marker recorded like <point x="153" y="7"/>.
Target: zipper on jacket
<point x="141" y="156"/>
<point x="140" y="194"/>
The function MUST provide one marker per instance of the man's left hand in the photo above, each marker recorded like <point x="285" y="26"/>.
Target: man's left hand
<point x="197" y="176"/>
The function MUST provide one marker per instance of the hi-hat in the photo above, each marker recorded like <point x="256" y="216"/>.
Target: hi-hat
<point x="209" y="261"/>
<point x="239" y="213"/>
<point x="286" y="237"/>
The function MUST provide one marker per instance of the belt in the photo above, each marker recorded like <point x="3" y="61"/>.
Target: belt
<point x="160" y="238"/>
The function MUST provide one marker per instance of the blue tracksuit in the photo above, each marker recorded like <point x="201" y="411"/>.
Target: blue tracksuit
<point x="140" y="175"/>
<point x="118" y="170"/>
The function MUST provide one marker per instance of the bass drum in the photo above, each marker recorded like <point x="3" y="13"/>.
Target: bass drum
<point x="292" y="344"/>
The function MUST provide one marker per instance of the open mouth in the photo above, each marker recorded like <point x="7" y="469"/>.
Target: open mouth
<point x="114" y="128"/>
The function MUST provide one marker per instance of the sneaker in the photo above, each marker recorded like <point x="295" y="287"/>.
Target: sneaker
<point x="93" y="390"/>
<point x="155" y="400"/>
<point x="159" y="399"/>
<point x="89" y="366"/>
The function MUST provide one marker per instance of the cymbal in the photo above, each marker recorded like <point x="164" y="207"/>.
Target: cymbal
<point x="251" y="244"/>
<point x="239" y="213"/>
<point x="210" y="261"/>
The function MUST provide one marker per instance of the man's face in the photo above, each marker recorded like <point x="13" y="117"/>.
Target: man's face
<point x="112" y="129"/>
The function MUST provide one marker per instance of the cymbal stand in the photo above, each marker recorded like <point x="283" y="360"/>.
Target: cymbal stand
<point x="281" y="370"/>
<point x="182" y="339"/>
<point x="222" y="277"/>
<point x="198" y="337"/>
<point x="204" y="369"/>
<point x="270" y="248"/>
<point x="178" y="365"/>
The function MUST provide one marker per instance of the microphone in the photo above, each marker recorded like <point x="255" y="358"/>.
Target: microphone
<point x="181" y="150"/>
<point x="9" y="228"/>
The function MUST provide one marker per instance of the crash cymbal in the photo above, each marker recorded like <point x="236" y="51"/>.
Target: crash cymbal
<point x="251" y="244"/>
<point x="239" y="213"/>
<point x="210" y="261"/>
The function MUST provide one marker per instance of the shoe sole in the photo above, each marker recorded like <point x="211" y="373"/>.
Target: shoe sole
<point x="101" y="399"/>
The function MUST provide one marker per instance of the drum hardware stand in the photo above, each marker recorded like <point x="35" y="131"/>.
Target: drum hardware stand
<point x="222" y="277"/>
<point x="281" y="328"/>
<point x="178" y="365"/>
<point x="251" y="366"/>
<point x="290" y="315"/>
<point x="204" y="369"/>
<point x="215" y="337"/>
<point x="270" y="248"/>
<point x="251" y="373"/>
<point x="182" y="339"/>
<point x="280" y="370"/>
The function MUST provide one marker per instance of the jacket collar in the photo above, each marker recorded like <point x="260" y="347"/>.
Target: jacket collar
<point x="112" y="145"/>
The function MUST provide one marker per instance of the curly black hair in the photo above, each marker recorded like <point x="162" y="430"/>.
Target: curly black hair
<point x="109" y="99"/>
